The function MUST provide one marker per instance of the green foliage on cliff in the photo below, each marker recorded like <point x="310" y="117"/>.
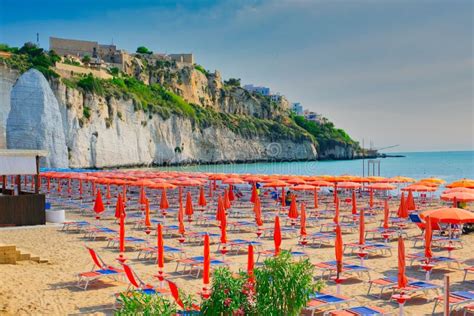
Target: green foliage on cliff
<point x="201" y="69"/>
<point x="325" y="133"/>
<point x="31" y="56"/>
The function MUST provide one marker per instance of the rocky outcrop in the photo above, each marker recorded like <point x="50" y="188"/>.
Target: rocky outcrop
<point x="7" y="79"/>
<point x="116" y="135"/>
<point x="34" y="121"/>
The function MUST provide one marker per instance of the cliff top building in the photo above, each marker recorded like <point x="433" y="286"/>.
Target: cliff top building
<point x="258" y="89"/>
<point x="297" y="108"/>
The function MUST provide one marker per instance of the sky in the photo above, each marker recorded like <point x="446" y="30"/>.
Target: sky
<point x="388" y="72"/>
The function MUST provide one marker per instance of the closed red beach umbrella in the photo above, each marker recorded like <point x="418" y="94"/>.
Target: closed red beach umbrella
<point x="98" y="205"/>
<point x="223" y="227"/>
<point x="107" y="195"/>
<point x="303" y="220"/>
<point x="455" y="202"/>
<point x="231" y="193"/>
<point x="124" y="191"/>
<point x="250" y="263"/>
<point x="147" y="214"/>
<point x="181" y="228"/>
<point x="277" y="235"/>
<point x="226" y="199"/>
<point x="175" y="293"/>
<point x="361" y="227"/>
<point x="189" y="205"/>
<point x="118" y="207"/>
<point x="122" y="237"/>
<point x="336" y="215"/>
<point x="428" y="238"/>
<point x="161" y="249"/>
<point x="402" y="278"/>
<point x="354" y="203"/>
<point x="164" y="200"/>
<point x="283" y="197"/>
<point x="293" y="213"/>
<point x="257" y="208"/>
<point x="338" y="250"/>
<point x="207" y="261"/>
<point x="402" y="209"/>
<point x="316" y="202"/>
<point x="220" y="208"/>
<point x="202" y="197"/>
<point x="410" y="202"/>
<point x="254" y="193"/>
<point x="80" y="188"/>
<point x="386" y="213"/>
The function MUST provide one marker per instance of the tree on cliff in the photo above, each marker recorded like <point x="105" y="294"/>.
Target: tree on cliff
<point x="232" y="82"/>
<point x="86" y="59"/>
<point x="144" y="50"/>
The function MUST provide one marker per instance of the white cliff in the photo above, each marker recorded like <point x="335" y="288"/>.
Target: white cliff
<point x="7" y="79"/>
<point x="34" y="120"/>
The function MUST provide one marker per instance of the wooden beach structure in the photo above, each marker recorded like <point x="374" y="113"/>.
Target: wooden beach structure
<point x="18" y="207"/>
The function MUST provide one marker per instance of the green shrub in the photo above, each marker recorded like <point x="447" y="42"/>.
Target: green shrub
<point x="142" y="304"/>
<point x="91" y="84"/>
<point x="284" y="286"/>
<point x="232" y="82"/>
<point x="70" y="61"/>
<point x="86" y="59"/>
<point x="114" y="71"/>
<point x="86" y="112"/>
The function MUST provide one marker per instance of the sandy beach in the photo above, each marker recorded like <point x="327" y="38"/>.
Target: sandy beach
<point x="29" y="288"/>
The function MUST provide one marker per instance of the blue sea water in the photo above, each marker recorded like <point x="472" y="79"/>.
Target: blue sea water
<point x="447" y="165"/>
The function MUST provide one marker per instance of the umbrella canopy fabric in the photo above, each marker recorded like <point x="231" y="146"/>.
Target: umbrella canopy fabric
<point x="207" y="261"/>
<point x="277" y="235"/>
<point x="189" y="209"/>
<point x="459" y="196"/>
<point x="223" y="226"/>
<point x="419" y="188"/>
<point x="402" y="278"/>
<point x="231" y="193"/>
<point x="303" y="220"/>
<point x="336" y="215"/>
<point x="118" y="206"/>
<point x="449" y="215"/>
<point x="98" y="204"/>
<point x="349" y="185"/>
<point x="371" y="198"/>
<point x="147" y="214"/>
<point x="386" y="214"/>
<point x="181" y="228"/>
<point x="463" y="183"/>
<point x="293" y="213"/>
<point x="428" y="238"/>
<point x="402" y="209"/>
<point x="338" y="250"/>
<point x="257" y="208"/>
<point x="316" y="199"/>
<point x="254" y="193"/>
<point x="354" y="203"/>
<point x="303" y="187"/>
<point x="202" y="197"/>
<point x="164" y="204"/>
<point x="226" y="200"/>
<point x="160" y="247"/>
<point x="410" y="202"/>
<point x="250" y="263"/>
<point x="220" y="208"/>
<point x="361" y="227"/>
<point x="122" y="235"/>
<point x="380" y="186"/>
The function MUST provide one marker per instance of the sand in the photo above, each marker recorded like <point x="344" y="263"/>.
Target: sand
<point x="29" y="288"/>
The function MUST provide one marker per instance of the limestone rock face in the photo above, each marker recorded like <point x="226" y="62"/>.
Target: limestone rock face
<point x="34" y="121"/>
<point x="7" y="80"/>
<point x="117" y="135"/>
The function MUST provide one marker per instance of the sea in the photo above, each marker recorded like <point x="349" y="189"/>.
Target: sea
<point x="447" y="165"/>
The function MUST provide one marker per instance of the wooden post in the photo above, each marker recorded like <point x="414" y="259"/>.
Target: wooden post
<point x="37" y="178"/>
<point x="18" y="183"/>
<point x="446" y="295"/>
<point x="4" y="185"/>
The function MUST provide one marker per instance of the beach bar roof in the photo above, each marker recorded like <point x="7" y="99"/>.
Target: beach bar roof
<point x="20" y="161"/>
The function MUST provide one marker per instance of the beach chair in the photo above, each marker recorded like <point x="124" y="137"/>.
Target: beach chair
<point x="172" y="253"/>
<point x="271" y="253"/>
<point x="329" y="267"/>
<point x="331" y="226"/>
<point x="139" y="285"/>
<point x="238" y="245"/>
<point x="319" y="239"/>
<point x="114" y="241"/>
<point x="320" y="300"/>
<point x="196" y="263"/>
<point x="383" y="284"/>
<point x="94" y="232"/>
<point x="436" y="260"/>
<point x="467" y="270"/>
<point x="99" y="270"/>
<point x="457" y="299"/>
<point x="370" y="248"/>
<point x="75" y="226"/>
<point x="418" y="286"/>
<point x="358" y="311"/>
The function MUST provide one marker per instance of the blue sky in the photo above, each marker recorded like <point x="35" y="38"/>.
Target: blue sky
<point x="390" y="72"/>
